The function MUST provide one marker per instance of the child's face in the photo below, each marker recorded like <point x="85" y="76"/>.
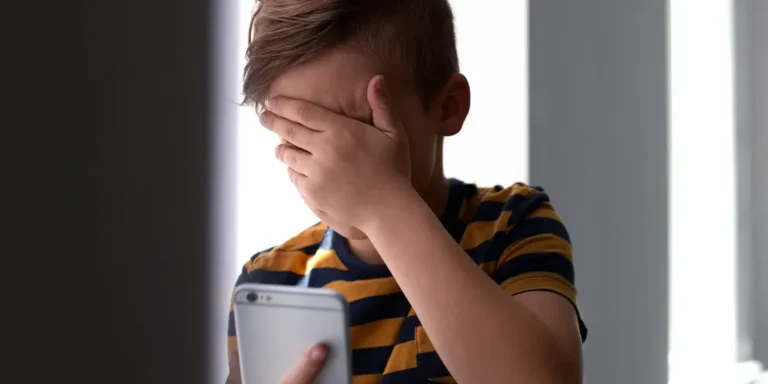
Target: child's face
<point x="338" y="81"/>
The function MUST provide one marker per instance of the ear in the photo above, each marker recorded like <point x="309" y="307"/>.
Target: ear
<point x="452" y="106"/>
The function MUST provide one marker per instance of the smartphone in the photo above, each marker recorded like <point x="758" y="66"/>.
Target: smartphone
<point x="277" y="325"/>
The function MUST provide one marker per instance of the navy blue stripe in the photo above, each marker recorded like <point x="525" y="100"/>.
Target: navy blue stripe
<point x="520" y="205"/>
<point x="408" y="332"/>
<point x="533" y="226"/>
<point x="455" y="201"/>
<point x="535" y="262"/>
<point x="493" y="248"/>
<point x="491" y="210"/>
<point x="378" y="308"/>
<point x="488" y="211"/>
<point x="430" y="365"/>
<point x="367" y="361"/>
<point x="264" y="276"/>
<point x="525" y="208"/>
<point x="231" y="324"/>
<point x="412" y="375"/>
<point x="456" y="230"/>
<point x="310" y="249"/>
<point x="319" y="277"/>
<point x="257" y="254"/>
<point x="582" y="329"/>
<point x="489" y="250"/>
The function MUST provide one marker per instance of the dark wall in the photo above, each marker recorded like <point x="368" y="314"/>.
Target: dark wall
<point x="140" y="160"/>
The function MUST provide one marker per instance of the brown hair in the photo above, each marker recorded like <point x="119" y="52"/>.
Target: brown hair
<point x="413" y="37"/>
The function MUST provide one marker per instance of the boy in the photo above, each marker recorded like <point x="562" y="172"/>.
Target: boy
<point x="447" y="282"/>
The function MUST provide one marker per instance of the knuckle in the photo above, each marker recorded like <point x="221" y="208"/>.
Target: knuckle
<point x="290" y="133"/>
<point x="304" y="112"/>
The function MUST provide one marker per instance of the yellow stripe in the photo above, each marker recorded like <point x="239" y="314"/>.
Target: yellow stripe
<point x="480" y="231"/>
<point x="326" y="258"/>
<point x="424" y="344"/>
<point x="306" y="238"/>
<point x="411" y="312"/>
<point x="489" y="268"/>
<point x="366" y="379"/>
<point x="403" y="357"/>
<point x="544" y="243"/>
<point x="380" y="333"/>
<point x="356" y="290"/>
<point x="295" y="262"/>
<point x="532" y="281"/>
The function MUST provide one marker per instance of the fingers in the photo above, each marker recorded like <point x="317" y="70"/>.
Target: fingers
<point x="384" y="116"/>
<point x="295" y="158"/>
<point x="303" y="112"/>
<point x="306" y="370"/>
<point x="289" y="131"/>
<point x="297" y="179"/>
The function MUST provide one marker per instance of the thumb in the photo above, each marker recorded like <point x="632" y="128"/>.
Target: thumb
<point x="384" y="116"/>
<point x="307" y="370"/>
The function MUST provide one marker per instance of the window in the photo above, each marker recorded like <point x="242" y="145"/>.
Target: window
<point x="703" y="226"/>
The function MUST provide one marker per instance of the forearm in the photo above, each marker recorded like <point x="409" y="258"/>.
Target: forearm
<point x="481" y="333"/>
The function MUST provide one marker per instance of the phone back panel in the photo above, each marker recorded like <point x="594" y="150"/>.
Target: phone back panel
<point x="278" y="329"/>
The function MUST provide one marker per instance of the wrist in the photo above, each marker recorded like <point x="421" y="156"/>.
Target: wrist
<point x="396" y="201"/>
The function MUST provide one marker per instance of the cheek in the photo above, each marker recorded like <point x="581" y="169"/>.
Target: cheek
<point x="422" y="150"/>
<point x="422" y="140"/>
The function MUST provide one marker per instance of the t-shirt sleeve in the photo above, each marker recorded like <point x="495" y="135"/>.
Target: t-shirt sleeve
<point x="538" y="255"/>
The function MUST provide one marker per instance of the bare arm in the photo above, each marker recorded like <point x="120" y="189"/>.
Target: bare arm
<point x="233" y="377"/>
<point x="531" y="337"/>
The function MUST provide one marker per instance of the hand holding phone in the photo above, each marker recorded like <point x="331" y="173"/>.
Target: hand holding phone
<point x="309" y="367"/>
<point x="292" y="335"/>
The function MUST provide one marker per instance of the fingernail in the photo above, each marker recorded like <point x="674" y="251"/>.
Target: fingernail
<point x="267" y="103"/>
<point x="318" y="353"/>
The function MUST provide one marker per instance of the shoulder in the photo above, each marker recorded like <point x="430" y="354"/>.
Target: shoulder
<point x="284" y="263"/>
<point x="511" y="204"/>
<point x="499" y="220"/>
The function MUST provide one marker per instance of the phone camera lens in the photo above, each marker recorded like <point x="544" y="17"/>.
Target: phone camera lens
<point x="252" y="297"/>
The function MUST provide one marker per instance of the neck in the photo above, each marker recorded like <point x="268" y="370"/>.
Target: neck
<point x="435" y="195"/>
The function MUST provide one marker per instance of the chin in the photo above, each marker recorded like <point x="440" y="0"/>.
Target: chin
<point x="350" y="233"/>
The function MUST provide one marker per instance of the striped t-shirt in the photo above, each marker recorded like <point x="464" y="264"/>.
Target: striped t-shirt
<point x="513" y="234"/>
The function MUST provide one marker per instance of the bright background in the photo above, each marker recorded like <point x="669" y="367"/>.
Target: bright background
<point x="491" y="149"/>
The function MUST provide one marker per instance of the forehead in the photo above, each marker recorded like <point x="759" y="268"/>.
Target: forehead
<point x="337" y="80"/>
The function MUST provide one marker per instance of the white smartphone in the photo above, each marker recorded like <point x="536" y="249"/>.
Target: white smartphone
<point x="277" y="325"/>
